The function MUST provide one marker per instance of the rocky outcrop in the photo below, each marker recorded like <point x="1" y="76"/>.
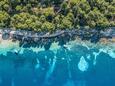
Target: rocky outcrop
<point x="62" y="36"/>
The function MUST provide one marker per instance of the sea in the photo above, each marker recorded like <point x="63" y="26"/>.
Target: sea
<point x="76" y="63"/>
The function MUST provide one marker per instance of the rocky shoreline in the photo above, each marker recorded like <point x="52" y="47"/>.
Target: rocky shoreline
<point x="61" y="36"/>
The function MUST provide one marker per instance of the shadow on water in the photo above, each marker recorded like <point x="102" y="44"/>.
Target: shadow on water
<point x="65" y="67"/>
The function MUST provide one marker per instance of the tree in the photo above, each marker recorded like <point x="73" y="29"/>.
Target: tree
<point x="4" y="19"/>
<point x="66" y="23"/>
<point x="64" y="8"/>
<point x="48" y="13"/>
<point x="42" y="18"/>
<point x="57" y="21"/>
<point x="110" y="13"/>
<point x="25" y="21"/>
<point x="47" y="26"/>
<point x="96" y="19"/>
<point x="60" y="14"/>
<point x="4" y="5"/>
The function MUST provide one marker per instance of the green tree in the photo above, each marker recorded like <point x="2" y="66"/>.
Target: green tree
<point x="42" y="18"/>
<point x="47" y="26"/>
<point x="49" y="13"/>
<point x="57" y="21"/>
<point x="64" y="8"/>
<point x="110" y="13"/>
<point x="4" y="5"/>
<point x="4" y="19"/>
<point x="25" y="21"/>
<point x="66" y="23"/>
<point x="60" y="14"/>
<point x="96" y="19"/>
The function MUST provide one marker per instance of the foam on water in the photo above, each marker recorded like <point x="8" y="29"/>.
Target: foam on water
<point x="6" y="46"/>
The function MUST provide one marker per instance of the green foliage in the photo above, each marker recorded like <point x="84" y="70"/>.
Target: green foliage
<point x="96" y="18"/>
<point x="25" y="21"/>
<point x="4" y="5"/>
<point x="47" y="26"/>
<point x="18" y="8"/>
<point x="42" y="18"/>
<point x="40" y="15"/>
<point x="48" y="11"/>
<point x="4" y="19"/>
<point x="66" y="24"/>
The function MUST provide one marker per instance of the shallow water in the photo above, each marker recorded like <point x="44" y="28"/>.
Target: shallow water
<point x="77" y="63"/>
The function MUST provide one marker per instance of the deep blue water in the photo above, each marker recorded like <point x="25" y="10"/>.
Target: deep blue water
<point x="73" y="65"/>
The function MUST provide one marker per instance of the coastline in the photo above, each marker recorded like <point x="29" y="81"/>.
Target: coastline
<point x="106" y="45"/>
<point x="93" y="35"/>
<point x="27" y="39"/>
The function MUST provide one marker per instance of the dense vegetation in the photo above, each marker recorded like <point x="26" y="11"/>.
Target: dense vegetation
<point x="49" y="15"/>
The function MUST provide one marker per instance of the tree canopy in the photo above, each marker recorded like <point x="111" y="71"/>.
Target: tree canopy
<point x="50" y="15"/>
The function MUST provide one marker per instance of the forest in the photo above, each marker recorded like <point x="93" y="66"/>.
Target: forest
<point x="51" y="15"/>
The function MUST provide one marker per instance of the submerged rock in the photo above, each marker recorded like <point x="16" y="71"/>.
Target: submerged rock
<point x="83" y="65"/>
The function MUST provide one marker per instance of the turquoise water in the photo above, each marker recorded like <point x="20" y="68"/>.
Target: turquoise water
<point x="78" y="63"/>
